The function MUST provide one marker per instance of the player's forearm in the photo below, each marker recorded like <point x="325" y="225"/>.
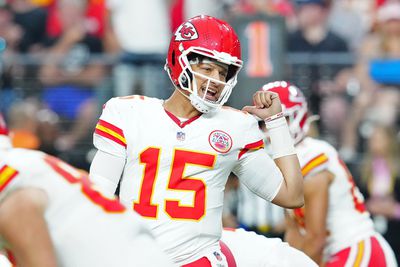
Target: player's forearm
<point x="31" y="246"/>
<point x="292" y="185"/>
<point x="313" y="246"/>
<point x="294" y="238"/>
<point x="284" y="154"/>
<point x="310" y="244"/>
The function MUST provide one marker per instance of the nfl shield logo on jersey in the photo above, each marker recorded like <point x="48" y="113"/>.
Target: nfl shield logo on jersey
<point x="217" y="255"/>
<point x="220" y="141"/>
<point x="180" y="136"/>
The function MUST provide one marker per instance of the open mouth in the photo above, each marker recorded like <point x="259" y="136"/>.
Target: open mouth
<point x="211" y="94"/>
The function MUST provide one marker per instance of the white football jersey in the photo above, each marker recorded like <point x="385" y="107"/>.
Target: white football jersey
<point x="347" y="219"/>
<point x="86" y="228"/>
<point x="175" y="172"/>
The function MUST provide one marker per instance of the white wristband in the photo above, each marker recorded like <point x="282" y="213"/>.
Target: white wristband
<point x="274" y="117"/>
<point x="281" y="141"/>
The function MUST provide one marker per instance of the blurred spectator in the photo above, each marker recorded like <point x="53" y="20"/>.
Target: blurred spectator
<point x="95" y="18"/>
<point x="282" y="8"/>
<point x="32" y="20"/>
<point x="10" y="32"/>
<point x="48" y="131"/>
<point x="23" y="124"/>
<point x="357" y="13"/>
<point x="142" y="30"/>
<point x="380" y="181"/>
<point x="213" y="8"/>
<point x="376" y="102"/>
<point x="10" y="36"/>
<point x="42" y="3"/>
<point x="313" y="33"/>
<point x="270" y="7"/>
<point x="316" y="41"/>
<point x="71" y="74"/>
<point x="383" y="43"/>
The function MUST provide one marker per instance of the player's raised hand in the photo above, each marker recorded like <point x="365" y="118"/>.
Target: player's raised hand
<point x="266" y="104"/>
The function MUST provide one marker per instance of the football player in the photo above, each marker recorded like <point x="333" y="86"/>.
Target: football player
<point x="50" y="215"/>
<point x="172" y="158"/>
<point x="333" y="227"/>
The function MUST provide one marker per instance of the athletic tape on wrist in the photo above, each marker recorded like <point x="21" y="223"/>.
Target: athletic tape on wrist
<point x="281" y="141"/>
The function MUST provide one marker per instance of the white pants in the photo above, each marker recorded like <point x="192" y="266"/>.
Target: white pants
<point x="253" y="250"/>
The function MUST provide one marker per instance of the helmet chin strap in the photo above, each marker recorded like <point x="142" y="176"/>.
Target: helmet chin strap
<point x="200" y="105"/>
<point x="197" y="102"/>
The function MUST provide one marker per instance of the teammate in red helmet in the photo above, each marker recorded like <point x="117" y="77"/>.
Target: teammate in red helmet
<point x="333" y="228"/>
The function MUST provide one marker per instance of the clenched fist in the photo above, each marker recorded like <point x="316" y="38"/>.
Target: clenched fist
<point x="266" y="104"/>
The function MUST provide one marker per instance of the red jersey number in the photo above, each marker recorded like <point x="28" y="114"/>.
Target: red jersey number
<point x="67" y="172"/>
<point x="177" y="181"/>
<point x="358" y="198"/>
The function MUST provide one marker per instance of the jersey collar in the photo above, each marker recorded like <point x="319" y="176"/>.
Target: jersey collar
<point x="178" y="121"/>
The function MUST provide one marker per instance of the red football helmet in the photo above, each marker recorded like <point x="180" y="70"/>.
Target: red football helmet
<point x="207" y="37"/>
<point x="294" y="107"/>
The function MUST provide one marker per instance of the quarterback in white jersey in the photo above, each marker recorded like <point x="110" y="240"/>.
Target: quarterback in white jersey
<point x="50" y="215"/>
<point x="172" y="158"/>
<point x="333" y="227"/>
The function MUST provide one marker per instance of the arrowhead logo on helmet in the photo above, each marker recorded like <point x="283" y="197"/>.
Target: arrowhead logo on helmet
<point x="186" y="32"/>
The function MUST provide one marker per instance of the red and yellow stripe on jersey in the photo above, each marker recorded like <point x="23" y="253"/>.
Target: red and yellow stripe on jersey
<point x="314" y="163"/>
<point x="370" y="251"/>
<point x="111" y="132"/>
<point x="252" y="146"/>
<point x="7" y="174"/>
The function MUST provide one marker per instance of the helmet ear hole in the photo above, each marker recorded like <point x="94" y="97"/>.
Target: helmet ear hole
<point x="185" y="80"/>
<point x="173" y="58"/>
<point x="232" y="70"/>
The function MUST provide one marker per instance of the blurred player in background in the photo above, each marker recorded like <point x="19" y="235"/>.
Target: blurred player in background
<point x="333" y="228"/>
<point x="50" y="215"/>
<point x="172" y="158"/>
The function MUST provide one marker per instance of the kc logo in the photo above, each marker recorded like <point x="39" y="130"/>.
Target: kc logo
<point x="186" y="32"/>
